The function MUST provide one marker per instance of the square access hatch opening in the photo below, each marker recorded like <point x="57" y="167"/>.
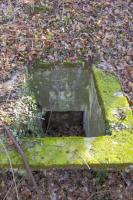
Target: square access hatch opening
<point x="68" y="97"/>
<point x="68" y="123"/>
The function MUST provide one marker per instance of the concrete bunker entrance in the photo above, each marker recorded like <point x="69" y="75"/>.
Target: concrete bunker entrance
<point x="68" y="98"/>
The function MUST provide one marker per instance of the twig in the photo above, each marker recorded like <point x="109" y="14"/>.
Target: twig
<point x="12" y="188"/>
<point x="10" y="167"/>
<point x="84" y="161"/>
<point x="49" y="122"/>
<point x="8" y="96"/>
<point x="62" y="10"/>
<point x="33" y="5"/>
<point x="127" y="182"/>
<point x="98" y="192"/>
<point x="27" y="167"/>
<point x="8" y="192"/>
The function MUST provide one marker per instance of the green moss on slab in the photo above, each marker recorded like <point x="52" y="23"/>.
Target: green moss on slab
<point x="98" y="152"/>
<point x="117" y="148"/>
<point x="42" y="64"/>
<point x="50" y="152"/>
<point x="67" y="63"/>
<point x="9" y="157"/>
<point x="114" y="149"/>
<point x="114" y="103"/>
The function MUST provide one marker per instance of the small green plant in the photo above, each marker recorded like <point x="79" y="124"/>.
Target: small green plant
<point x="66" y="20"/>
<point x="27" y="119"/>
<point x="41" y="9"/>
<point x="26" y="114"/>
<point x="101" y="176"/>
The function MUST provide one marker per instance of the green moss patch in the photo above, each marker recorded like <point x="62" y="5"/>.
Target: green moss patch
<point x="102" y="152"/>
<point x="114" y="104"/>
<point x="114" y="150"/>
<point x="117" y="148"/>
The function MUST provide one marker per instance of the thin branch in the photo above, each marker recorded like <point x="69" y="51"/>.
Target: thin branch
<point x="127" y="182"/>
<point x="8" y="192"/>
<point x="84" y="161"/>
<point x="27" y="167"/>
<point x="10" y="167"/>
<point x="98" y="192"/>
<point x="12" y="189"/>
<point x="49" y="122"/>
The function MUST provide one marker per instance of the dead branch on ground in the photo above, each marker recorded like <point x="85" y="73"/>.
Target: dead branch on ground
<point x="26" y="164"/>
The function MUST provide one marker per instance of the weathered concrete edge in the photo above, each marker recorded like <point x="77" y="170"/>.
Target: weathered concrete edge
<point x="112" y="100"/>
<point x="71" y="152"/>
<point x="101" y="152"/>
<point x="119" y="145"/>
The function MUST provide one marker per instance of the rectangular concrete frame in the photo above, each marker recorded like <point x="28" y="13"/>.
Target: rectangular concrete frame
<point x="115" y="150"/>
<point x="63" y="88"/>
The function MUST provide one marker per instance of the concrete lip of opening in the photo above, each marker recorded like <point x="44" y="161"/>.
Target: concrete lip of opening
<point x="66" y="93"/>
<point x="104" y="151"/>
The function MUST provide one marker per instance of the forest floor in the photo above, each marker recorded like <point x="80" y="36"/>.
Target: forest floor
<point x="59" y="31"/>
<point x="68" y="184"/>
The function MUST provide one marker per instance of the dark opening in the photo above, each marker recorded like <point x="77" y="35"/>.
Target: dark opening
<point x="67" y="123"/>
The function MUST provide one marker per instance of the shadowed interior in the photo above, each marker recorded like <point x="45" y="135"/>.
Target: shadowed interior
<point x="68" y="123"/>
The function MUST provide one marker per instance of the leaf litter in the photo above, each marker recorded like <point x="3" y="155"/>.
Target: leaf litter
<point x="57" y="31"/>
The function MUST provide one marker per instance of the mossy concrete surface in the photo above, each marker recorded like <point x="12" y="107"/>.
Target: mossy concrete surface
<point x="102" y="152"/>
<point x="115" y="150"/>
<point x="114" y="104"/>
